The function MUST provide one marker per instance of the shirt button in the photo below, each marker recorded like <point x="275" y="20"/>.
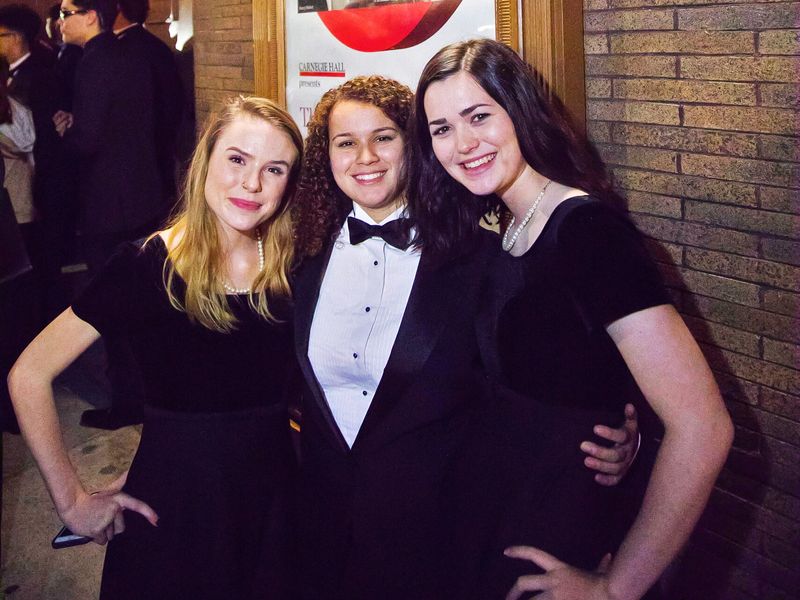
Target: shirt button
<point x="367" y="309"/>
<point x="375" y="263"/>
<point x="364" y="393"/>
<point x="355" y="354"/>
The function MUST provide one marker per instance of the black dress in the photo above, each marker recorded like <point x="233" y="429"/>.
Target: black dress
<point x="215" y="454"/>
<point x="555" y="373"/>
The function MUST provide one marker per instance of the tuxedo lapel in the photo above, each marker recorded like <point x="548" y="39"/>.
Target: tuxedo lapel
<point x="306" y="293"/>
<point x="435" y="293"/>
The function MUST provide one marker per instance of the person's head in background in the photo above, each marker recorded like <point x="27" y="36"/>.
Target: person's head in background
<point x="83" y="20"/>
<point x="19" y="26"/>
<point x="131" y="12"/>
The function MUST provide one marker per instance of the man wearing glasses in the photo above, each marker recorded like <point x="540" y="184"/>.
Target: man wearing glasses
<point x="112" y="134"/>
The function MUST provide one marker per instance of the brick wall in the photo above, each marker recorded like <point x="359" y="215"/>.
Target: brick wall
<point x="223" y="52"/>
<point x="694" y="105"/>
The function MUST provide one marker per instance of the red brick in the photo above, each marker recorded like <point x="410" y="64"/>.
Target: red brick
<point x="723" y="288"/>
<point x="782" y="404"/>
<point x="700" y="188"/>
<point x="744" y="17"/>
<point x="684" y="91"/>
<point x="746" y="268"/>
<point x="771" y="324"/>
<point x="785" y="251"/>
<point x="614" y="20"/>
<point x="781" y="302"/>
<point x="782" y="353"/>
<point x="766" y="120"/>
<point x="784" y="41"/>
<point x="653" y="204"/>
<point x="644" y="158"/>
<point x="599" y="131"/>
<point x="780" y="147"/>
<point x="723" y="336"/>
<point x="736" y="217"/>
<point x="740" y="68"/>
<point x="683" y="42"/>
<point x="632" y="66"/>
<point x="741" y="169"/>
<point x="736" y="389"/>
<point x="595" y="43"/>
<point x="598" y="87"/>
<point x="640" y="112"/>
<point x="780" y="199"/>
<point x="693" y="234"/>
<point x="780" y="94"/>
<point x="707" y="141"/>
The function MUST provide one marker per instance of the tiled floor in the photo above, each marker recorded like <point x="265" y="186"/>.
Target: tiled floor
<point x="30" y="568"/>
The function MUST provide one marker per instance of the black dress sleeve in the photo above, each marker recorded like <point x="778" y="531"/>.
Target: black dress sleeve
<point x="112" y="301"/>
<point x="608" y="269"/>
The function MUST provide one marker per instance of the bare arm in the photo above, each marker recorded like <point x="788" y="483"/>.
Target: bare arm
<point x="672" y="373"/>
<point x="30" y="384"/>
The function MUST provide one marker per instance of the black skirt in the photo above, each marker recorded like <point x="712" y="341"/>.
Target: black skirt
<point x="218" y="483"/>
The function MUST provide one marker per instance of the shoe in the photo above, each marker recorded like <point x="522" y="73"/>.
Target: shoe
<point x="108" y="418"/>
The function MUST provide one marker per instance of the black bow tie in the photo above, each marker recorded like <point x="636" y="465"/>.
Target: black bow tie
<point x="393" y="233"/>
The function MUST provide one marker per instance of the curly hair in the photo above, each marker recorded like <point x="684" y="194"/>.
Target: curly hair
<point x="446" y="213"/>
<point x="320" y="206"/>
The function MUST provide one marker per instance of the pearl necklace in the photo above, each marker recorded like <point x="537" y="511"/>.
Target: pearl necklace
<point x="260" y="246"/>
<point x="508" y="244"/>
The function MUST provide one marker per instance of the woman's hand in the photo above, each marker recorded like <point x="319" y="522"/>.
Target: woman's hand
<point x="559" y="580"/>
<point x="99" y="515"/>
<point x="613" y="463"/>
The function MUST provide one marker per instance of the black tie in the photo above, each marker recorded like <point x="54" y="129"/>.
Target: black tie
<point x="393" y="233"/>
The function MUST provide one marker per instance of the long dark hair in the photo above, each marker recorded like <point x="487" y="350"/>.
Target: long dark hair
<point x="446" y="214"/>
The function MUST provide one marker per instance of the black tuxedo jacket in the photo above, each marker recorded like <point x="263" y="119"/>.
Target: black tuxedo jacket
<point x="368" y="520"/>
<point x="167" y="94"/>
<point x="113" y="138"/>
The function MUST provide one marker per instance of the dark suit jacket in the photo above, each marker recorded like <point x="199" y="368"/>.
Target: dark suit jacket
<point x="367" y="521"/>
<point x="168" y="95"/>
<point x="113" y="137"/>
<point x="34" y="85"/>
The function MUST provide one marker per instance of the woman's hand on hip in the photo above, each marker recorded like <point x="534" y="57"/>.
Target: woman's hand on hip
<point x="559" y="580"/>
<point x="99" y="515"/>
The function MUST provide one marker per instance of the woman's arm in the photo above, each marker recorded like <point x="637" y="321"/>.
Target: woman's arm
<point x="30" y="384"/>
<point x="673" y="375"/>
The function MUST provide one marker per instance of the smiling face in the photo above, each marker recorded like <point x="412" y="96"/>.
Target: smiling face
<point x="366" y="153"/>
<point x="473" y="137"/>
<point x="248" y="171"/>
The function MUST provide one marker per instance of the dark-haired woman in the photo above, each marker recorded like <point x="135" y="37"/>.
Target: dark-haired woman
<point x="585" y="323"/>
<point x="386" y="341"/>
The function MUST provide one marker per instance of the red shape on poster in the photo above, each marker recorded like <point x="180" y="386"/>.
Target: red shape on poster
<point x="389" y="27"/>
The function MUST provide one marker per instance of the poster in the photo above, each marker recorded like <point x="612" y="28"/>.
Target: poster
<point x="330" y="41"/>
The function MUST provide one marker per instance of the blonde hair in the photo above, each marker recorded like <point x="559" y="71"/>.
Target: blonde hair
<point x="196" y="254"/>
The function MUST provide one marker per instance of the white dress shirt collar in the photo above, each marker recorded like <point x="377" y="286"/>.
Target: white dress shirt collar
<point x="19" y="61"/>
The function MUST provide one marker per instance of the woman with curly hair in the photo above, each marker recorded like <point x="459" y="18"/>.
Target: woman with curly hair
<point x="386" y="343"/>
<point x="583" y="324"/>
<point x="205" y="303"/>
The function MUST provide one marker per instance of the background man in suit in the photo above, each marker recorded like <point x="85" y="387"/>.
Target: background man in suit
<point x="112" y="132"/>
<point x="167" y="88"/>
<point x="31" y="83"/>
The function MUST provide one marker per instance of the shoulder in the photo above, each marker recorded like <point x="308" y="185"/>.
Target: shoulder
<point x="585" y="218"/>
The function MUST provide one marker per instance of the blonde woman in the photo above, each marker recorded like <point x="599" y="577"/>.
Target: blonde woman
<point x="205" y="304"/>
